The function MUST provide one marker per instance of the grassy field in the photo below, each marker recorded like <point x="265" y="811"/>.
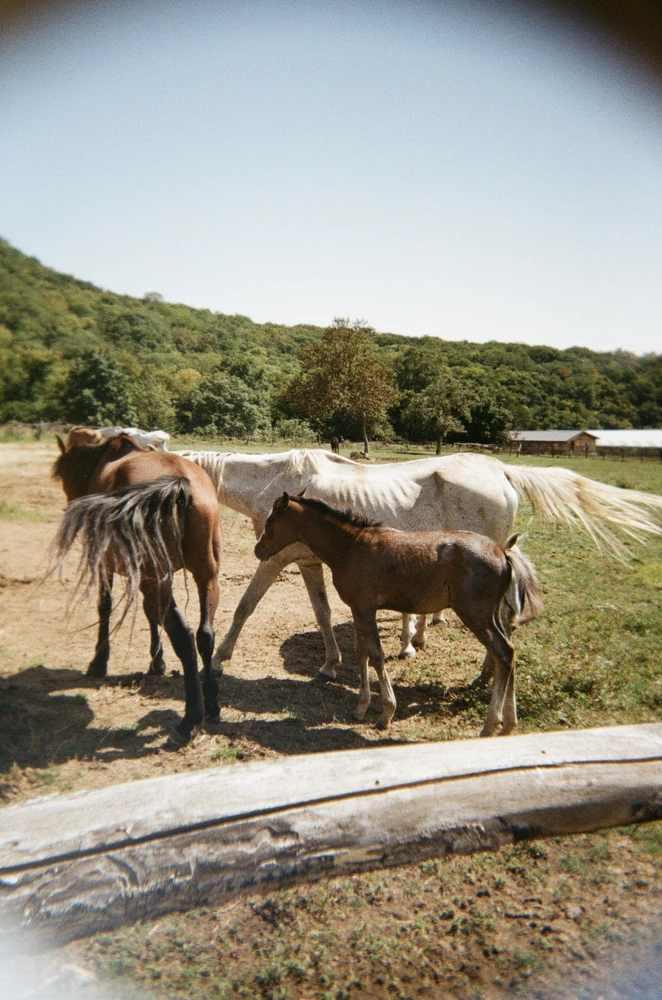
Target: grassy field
<point x="567" y="918"/>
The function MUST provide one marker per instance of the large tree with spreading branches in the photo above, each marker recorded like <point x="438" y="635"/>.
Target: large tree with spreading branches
<point x="341" y="373"/>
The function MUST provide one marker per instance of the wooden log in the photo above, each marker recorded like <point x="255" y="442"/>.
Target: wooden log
<point x="74" y="864"/>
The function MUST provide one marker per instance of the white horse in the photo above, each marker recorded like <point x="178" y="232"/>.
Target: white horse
<point x="459" y="492"/>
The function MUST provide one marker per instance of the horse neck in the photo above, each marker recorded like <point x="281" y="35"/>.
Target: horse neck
<point x="76" y="468"/>
<point x="328" y="537"/>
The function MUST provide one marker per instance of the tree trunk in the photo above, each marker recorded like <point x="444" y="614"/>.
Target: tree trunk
<point x="440" y="443"/>
<point x="364" y="428"/>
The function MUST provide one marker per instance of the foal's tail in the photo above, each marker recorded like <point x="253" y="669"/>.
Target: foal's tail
<point x="522" y="601"/>
<point x="131" y="531"/>
<point x="597" y="508"/>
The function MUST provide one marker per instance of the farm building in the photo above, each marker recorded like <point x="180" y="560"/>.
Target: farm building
<point x="554" y="442"/>
<point x="649" y="440"/>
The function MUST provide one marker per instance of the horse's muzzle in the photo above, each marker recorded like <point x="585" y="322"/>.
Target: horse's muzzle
<point x="260" y="551"/>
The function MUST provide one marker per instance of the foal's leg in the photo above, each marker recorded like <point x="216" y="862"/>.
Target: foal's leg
<point x="313" y="577"/>
<point x="160" y="605"/>
<point x="363" y="702"/>
<point x="502" y="709"/>
<point x="486" y="672"/>
<point x="264" y="576"/>
<point x="366" y="623"/>
<point x="98" y="665"/>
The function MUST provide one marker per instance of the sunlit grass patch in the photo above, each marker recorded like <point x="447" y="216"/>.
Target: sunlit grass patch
<point x="8" y="512"/>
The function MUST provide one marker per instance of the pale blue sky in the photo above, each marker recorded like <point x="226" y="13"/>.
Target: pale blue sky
<point x="444" y="169"/>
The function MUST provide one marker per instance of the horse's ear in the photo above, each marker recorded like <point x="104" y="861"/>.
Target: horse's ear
<point x="60" y="443"/>
<point x="302" y="492"/>
<point x="285" y="499"/>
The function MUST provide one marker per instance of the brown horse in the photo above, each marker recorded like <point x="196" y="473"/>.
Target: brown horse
<point x="491" y="587"/>
<point x="145" y="514"/>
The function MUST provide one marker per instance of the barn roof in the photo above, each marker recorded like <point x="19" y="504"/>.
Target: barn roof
<point x="628" y="439"/>
<point x="549" y="436"/>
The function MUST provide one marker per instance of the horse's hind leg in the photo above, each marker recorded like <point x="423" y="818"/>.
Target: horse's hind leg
<point x="98" y="666"/>
<point x="208" y="592"/>
<point x="406" y="645"/>
<point x="313" y="577"/>
<point x="486" y="672"/>
<point x="156" y="663"/>
<point x="160" y="605"/>
<point x="502" y="709"/>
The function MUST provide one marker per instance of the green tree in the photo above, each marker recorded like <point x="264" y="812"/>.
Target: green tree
<point x="439" y="409"/>
<point x="225" y="405"/>
<point x="151" y="396"/>
<point x="342" y="374"/>
<point x="96" y="392"/>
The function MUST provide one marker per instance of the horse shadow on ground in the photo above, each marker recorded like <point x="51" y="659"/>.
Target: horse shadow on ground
<point x="42" y="724"/>
<point x="303" y="653"/>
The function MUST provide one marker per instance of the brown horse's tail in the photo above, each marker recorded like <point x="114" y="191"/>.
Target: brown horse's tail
<point x="522" y="601"/>
<point x="131" y="531"/>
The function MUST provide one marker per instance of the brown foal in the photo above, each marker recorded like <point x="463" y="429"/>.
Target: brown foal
<point x="145" y="514"/>
<point x="491" y="587"/>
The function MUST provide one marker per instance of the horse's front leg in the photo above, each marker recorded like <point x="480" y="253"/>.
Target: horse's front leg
<point x="313" y="577"/>
<point x="264" y="576"/>
<point x="366" y="622"/>
<point x="98" y="665"/>
<point x="361" y="649"/>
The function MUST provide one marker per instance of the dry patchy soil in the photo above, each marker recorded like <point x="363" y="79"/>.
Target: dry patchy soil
<point x="577" y="917"/>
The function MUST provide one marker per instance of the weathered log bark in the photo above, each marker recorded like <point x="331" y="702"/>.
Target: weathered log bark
<point x="71" y="865"/>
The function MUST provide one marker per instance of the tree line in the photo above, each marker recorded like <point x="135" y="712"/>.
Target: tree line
<point x="70" y="351"/>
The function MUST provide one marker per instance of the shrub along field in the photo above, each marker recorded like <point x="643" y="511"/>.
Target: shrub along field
<point x="564" y="918"/>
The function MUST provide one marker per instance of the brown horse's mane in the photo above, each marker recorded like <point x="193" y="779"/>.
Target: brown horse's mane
<point x="93" y="450"/>
<point x="344" y="516"/>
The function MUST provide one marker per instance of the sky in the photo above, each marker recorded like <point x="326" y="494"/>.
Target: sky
<point x="444" y="169"/>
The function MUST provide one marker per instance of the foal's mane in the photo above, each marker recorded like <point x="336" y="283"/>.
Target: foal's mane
<point x="344" y="516"/>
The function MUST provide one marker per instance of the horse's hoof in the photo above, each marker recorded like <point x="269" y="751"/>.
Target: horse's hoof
<point x="407" y="653"/>
<point x="220" y="657"/>
<point x="213" y="713"/>
<point x="383" y="723"/>
<point x="322" y="678"/>
<point x="419" y="644"/>
<point x="96" y="669"/>
<point x="157" y="668"/>
<point x="181" y="735"/>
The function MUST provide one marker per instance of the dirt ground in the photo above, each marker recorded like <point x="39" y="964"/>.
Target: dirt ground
<point x="62" y="731"/>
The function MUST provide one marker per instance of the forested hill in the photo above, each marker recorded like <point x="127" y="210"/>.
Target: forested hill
<point x="67" y="347"/>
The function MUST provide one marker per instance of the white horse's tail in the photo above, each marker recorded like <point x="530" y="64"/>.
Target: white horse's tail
<point x="566" y="497"/>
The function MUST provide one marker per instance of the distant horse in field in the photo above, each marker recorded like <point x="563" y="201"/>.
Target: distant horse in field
<point x="145" y="514"/>
<point x="335" y="443"/>
<point x="462" y="492"/>
<point x="492" y="588"/>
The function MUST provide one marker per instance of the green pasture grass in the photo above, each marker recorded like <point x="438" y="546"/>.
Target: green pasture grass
<point x="8" y="512"/>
